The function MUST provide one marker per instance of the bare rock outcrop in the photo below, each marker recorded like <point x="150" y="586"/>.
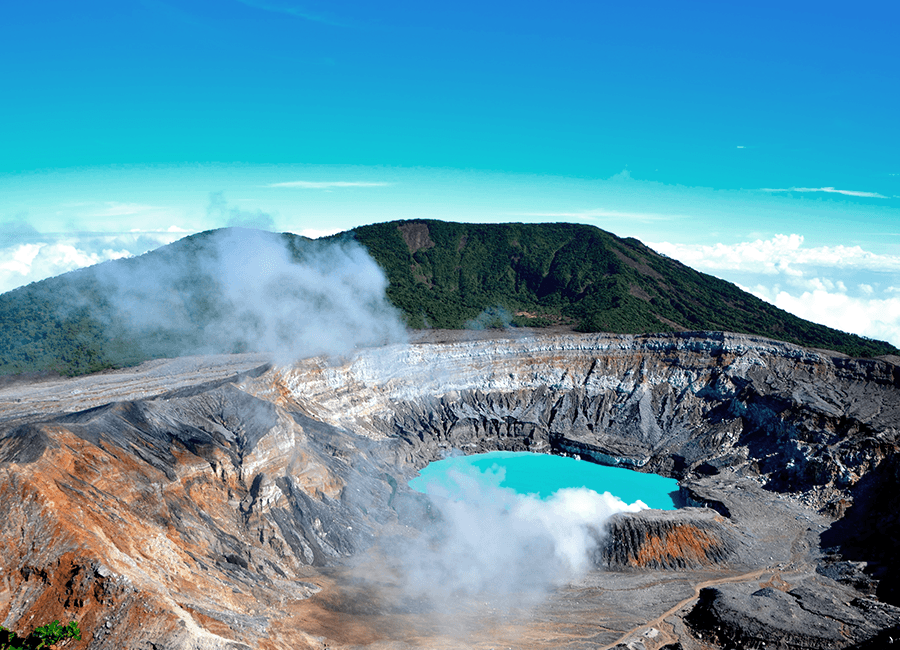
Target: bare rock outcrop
<point x="654" y="539"/>
<point x="217" y="502"/>
<point x="805" y="617"/>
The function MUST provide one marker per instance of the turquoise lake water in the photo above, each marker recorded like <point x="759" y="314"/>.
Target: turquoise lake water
<point x="542" y="475"/>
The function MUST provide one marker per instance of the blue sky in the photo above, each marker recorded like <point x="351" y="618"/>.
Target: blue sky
<point x="756" y="142"/>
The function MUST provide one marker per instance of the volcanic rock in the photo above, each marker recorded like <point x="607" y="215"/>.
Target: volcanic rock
<point x="219" y="502"/>
<point x="663" y="540"/>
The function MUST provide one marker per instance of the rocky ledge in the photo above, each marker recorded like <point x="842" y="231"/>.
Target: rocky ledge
<point x="225" y="503"/>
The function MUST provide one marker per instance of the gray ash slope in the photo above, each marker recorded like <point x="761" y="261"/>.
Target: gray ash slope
<point x="205" y="510"/>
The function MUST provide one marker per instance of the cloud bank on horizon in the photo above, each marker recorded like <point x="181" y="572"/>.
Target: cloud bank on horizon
<point x="845" y="287"/>
<point x="45" y="255"/>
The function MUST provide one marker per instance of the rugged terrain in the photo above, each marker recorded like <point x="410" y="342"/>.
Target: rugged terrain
<point x="238" y="290"/>
<point x="222" y="502"/>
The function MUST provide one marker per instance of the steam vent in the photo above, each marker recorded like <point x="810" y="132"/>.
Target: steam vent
<point x="222" y="502"/>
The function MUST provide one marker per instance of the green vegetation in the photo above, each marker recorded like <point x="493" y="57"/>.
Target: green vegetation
<point x="45" y="636"/>
<point x="451" y="274"/>
<point x="441" y="274"/>
<point x="69" y="324"/>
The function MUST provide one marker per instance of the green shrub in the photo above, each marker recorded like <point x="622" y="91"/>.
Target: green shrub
<point x="44" y="636"/>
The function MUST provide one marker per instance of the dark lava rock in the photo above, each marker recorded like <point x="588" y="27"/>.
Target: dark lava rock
<point x="852" y="574"/>
<point x="812" y="616"/>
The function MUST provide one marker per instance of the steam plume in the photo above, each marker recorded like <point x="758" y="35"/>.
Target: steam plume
<point x="249" y="290"/>
<point x="492" y="543"/>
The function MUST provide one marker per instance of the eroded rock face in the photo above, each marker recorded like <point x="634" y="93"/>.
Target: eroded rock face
<point x="174" y="520"/>
<point x="672" y="404"/>
<point x="663" y="540"/>
<point x="216" y="507"/>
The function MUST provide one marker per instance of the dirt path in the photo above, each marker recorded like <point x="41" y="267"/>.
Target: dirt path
<point x="659" y="622"/>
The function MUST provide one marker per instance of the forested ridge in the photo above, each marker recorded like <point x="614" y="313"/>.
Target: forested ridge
<point x="447" y="274"/>
<point x="441" y="275"/>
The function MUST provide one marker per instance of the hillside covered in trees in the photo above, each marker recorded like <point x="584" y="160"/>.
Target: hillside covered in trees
<point x="447" y="274"/>
<point x="441" y="275"/>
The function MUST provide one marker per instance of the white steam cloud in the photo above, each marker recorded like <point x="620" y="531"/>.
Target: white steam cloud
<point x="246" y="290"/>
<point x="494" y="544"/>
<point x="234" y="217"/>
<point x="491" y="317"/>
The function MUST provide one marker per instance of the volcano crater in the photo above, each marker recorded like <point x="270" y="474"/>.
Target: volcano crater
<point x="223" y="502"/>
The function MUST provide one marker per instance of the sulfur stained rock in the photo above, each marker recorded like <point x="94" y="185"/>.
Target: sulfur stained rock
<point x="668" y="540"/>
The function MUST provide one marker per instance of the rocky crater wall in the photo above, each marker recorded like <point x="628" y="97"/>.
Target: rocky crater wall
<point x="675" y="404"/>
<point x="209" y="511"/>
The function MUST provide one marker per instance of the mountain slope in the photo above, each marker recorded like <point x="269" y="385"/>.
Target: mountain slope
<point x="447" y="274"/>
<point x="177" y="299"/>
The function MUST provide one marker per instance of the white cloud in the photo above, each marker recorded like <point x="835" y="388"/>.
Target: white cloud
<point x="27" y="262"/>
<point x="877" y="318"/>
<point x="845" y="287"/>
<point x="234" y="217"/>
<point x="315" y="233"/>
<point x="780" y="254"/>
<point x="117" y="209"/>
<point x="176" y="230"/>
<point x="83" y="211"/>
<point x="830" y="190"/>
<point x="324" y="185"/>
